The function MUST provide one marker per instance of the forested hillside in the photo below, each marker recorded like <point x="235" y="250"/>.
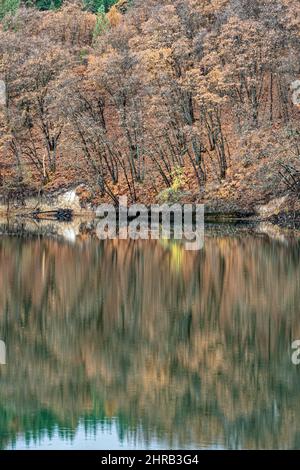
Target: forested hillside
<point x="162" y="100"/>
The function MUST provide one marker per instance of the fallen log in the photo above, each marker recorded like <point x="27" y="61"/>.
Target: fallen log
<point x="61" y="215"/>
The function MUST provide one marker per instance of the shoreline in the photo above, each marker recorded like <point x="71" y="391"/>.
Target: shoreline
<point x="282" y="212"/>
<point x="83" y="227"/>
<point x="285" y="220"/>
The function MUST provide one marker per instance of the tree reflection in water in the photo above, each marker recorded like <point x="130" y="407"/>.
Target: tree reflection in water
<point x="184" y="347"/>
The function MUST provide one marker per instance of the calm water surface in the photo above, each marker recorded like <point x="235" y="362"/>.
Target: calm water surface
<point x="124" y="345"/>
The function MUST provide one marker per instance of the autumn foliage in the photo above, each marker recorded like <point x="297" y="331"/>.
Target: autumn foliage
<point x="124" y="101"/>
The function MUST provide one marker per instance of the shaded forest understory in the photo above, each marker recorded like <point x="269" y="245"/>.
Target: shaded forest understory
<point x="182" y="100"/>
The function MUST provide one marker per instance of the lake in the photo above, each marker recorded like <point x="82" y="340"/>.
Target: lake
<point x="143" y="345"/>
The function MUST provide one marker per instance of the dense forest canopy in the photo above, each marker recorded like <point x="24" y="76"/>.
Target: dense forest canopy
<point x="11" y="6"/>
<point x="161" y="100"/>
